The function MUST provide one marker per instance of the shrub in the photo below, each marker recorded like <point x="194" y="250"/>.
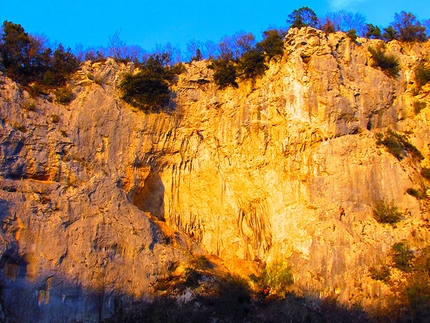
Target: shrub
<point x="390" y="34"/>
<point x="55" y="118"/>
<point x="148" y="89"/>
<point x="201" y="263"/>
<point x="397" y="145"/>
<point x="422" y="75"/>
<point x="418" y="106"/>
<point x="352" y="33"/>
<point x="277" y="277"/>
<point x="382" y="273"/>
<point x="233" y="301"/>
<point x="389" y="64"/>
<point x="393" y="145"/>
<point x="386" y="213"/>
<point x="425" y="172"/>
<point x="419" y="194"/>
<point x="192" y="278"/>
<point x="251" y="65"/>
<point x="64" y="95"/>
<point x="402" y="256"/>
<point x="27" y="60"/>
<point x="373" y="31"/>
<point x="272" y="44"/>
<point x="29" y="106"/>
<point x="63" y="64"/>
<point x="225" y="73"/>
<point x="146" y="92"/>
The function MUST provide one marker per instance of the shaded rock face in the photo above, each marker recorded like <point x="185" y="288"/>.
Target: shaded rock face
<point x="98" y="200"/>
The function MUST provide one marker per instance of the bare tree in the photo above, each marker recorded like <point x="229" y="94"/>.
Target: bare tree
<point x="211" y="49"/>
<point x="408" y="27"/>
<point x="233" y="47"/>
<point x="193" y="47"/>
<point x="345" y="21"/>
<point x="172" y="53"/>
<point x="117" y="46"/>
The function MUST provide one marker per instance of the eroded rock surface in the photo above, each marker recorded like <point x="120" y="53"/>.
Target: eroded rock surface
<point x="98" y="199"/>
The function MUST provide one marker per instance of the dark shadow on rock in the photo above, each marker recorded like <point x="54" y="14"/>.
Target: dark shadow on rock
<point x="4" y="210"/>
<point x="55" y="297"/>
<point x="150" y="197"/>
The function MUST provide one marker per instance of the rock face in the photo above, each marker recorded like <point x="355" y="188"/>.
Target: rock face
<point x="98" y="200"/>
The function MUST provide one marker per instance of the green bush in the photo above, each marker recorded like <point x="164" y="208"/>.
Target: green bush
<point x="225" y="73"/>
<point x="418" y="106"/>
<point x="201" y="263"/>
<point x="402" y="256"/>
<point x="425" y="172"/>
<point x="390" y="34"/>
<point x="148" y="89"/>
<point x="27" y="60"/>
<point x="422" y="75"/>
<point x="389" y="64"/>
<point x="382" y="273"/>
<point x="302" y="17"/>
<point x="397" y="145"/>
<point x="352" y="33"/>
<point x="64" y="95"/>
<point x="419" y="194"/>
<point x="251" y="65"/>
<point x="146" y="92"/>
<point x="373" y="31"/>
<point x="192" y="278"/>
<point x="63" y="64"/>
<point x="277" y="276"/>
<point x="386" y="213"/>
<point x="272" y="44"/>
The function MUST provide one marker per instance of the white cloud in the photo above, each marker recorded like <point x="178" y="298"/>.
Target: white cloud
<point x="343" y="4"/>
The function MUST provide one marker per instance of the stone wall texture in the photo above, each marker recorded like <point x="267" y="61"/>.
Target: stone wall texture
<point x="98" y="199"/>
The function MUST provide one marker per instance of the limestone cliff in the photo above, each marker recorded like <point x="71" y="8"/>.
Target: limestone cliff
<point x="98" y="199"/>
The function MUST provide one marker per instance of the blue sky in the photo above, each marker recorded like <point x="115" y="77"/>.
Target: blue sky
<point x="148" y="23"/>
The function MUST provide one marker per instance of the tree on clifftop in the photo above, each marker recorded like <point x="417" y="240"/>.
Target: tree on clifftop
<point x="148" y="89"/>
<point x="24" y="56"/>
<point x="273" y="43"/>
<point x="408" y="28"/>
<point x="303" y="17"/>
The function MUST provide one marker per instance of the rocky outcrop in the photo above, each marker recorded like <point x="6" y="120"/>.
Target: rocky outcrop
<point x="99" y="199"/>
